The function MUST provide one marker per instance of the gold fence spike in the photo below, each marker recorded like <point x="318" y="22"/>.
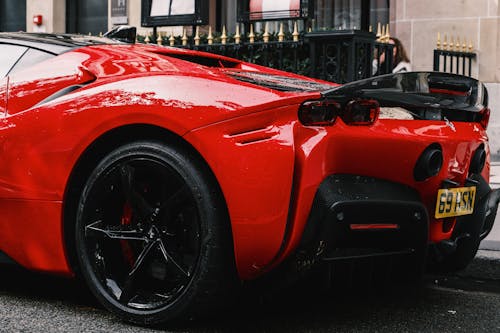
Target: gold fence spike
<point x="387" y="33"/>
<point x="147" y="40"/>
<point x="457" y="45"/>
<point x="223" y="37"/>
<point x="281" y="34"/>
<point x="464" y="45"/>
<point x="172" y="38"/>
<point x="471" y="47"/>
<point x="265" y="36"/>
<point x="382" y="36"/>
<point x="438" y="43"/>
<point x="445" y="42"/>
<point x="295" y="33"/>
<point x="237" y="36"/>
<point x="210" y="37"/>
<point x="184" y="37"/>
<point x="251" y="35"/>
<point x="452" y="43"/>
<point x="197" y="36"/>
<point x="159" y="40"/>
<point x="379" y="32"/>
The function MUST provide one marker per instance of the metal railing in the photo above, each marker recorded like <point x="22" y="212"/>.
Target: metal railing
<point x="454" y="57"/>
<point x="337" y="56"/>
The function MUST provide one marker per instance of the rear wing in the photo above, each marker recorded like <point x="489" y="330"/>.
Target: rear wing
<point x="421" y="95"/>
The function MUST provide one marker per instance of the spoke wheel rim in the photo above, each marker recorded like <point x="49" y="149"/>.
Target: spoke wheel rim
<point x="141" y="233"/>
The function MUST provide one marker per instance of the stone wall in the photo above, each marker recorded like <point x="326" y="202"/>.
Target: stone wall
<point x="417" y="22"/>
<point x="53" y="12"/>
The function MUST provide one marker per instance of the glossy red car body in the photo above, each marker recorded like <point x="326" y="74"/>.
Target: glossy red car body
<point x="268" y="164"/>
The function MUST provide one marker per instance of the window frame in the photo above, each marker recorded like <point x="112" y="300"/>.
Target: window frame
<point x="200" y="17"/>
<point x="306" y="12"/>
<point x="18" y="58"/>
<point x="27" y="49"/>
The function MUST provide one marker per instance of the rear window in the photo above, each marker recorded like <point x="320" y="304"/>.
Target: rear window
<point x="9" y="55"/>
<point x="30" y="58"/>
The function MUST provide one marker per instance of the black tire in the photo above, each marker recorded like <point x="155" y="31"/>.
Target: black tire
<point x="152" y="234"/>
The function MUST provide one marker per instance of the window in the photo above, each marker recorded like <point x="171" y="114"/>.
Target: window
<point x="350" y="14"/>
<point x="84" y="16"/>
<point x="174" y="12"/>
<point x="379" y="12"/>
<point x="16" y="57"/>
<point x="337" y="15"/>
<point x="9" y="55"/>
<point x="12" y="15"/>
<point x="30" y="58"/>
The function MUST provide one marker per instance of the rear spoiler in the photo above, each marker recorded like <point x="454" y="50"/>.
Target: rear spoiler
<point x="122" y="33"/>
<point x="424" y="91"/>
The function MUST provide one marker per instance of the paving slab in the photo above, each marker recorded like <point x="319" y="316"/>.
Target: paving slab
<point x="492" y="242"/>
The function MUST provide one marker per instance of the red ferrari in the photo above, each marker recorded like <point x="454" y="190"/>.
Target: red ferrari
<point x="164" y="177"/>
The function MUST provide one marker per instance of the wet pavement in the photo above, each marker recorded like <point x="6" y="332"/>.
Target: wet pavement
<point x="464" y="302"/>
<point x="468" y="301"/>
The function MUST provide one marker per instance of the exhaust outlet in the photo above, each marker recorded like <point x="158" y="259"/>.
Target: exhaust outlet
<point x="429" y="163"/>
<point x="478" y="161"/>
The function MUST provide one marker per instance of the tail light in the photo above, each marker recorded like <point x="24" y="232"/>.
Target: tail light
<point x="361" y="112"/>
<point x="484" y="117"/>
<point x="319" y="113"/>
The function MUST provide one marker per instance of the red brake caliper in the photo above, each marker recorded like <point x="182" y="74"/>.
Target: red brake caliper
<point x="128" y="253"/>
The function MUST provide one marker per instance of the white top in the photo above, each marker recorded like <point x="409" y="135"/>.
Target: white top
<point x="403" y="66"/>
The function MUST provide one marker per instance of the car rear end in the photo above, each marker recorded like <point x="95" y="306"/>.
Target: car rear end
<point x="400" y="165"/>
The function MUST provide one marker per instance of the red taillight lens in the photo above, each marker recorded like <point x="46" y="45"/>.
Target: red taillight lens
<point x="361" y="112"/>
<point x="484" y="117"/>
<point x="318" y="113"/>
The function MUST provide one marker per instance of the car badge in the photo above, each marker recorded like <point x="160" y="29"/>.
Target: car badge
<point x="450" y="124"/>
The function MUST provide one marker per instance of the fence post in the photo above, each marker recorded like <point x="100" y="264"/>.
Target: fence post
<point x="341" y="56"/>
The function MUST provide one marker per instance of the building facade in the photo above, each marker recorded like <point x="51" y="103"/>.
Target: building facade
<point x="474" y="22"/>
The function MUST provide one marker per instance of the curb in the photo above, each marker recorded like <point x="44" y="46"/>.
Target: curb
<point x="490" y="245"/>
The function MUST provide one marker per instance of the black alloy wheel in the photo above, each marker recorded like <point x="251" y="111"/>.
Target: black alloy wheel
<point x="152" y="234"/>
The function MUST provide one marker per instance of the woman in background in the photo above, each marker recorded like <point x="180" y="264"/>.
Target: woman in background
<point x="401" y="62"/>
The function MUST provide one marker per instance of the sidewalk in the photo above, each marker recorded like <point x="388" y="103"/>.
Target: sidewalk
<point x="492" y="242"/>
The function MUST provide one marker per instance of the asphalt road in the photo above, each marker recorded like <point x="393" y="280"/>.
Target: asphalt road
<point x="468" y="302"/>
<point x="465" y="302"/>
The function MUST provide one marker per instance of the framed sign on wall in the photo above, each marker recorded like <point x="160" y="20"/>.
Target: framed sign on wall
<point x="157" y="13"/>
<point x="262" y="10"/>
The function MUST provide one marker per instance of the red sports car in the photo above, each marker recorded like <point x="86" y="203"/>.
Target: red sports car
<point x="164" y="176"/>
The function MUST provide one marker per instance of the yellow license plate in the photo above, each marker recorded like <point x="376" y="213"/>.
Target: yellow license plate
<point x="455" y="202"/>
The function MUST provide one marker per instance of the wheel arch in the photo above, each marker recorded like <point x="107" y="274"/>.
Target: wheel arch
<point x="96" y="151"/>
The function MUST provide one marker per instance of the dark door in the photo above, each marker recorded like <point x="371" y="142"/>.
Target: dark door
<point x="12" y="15"/>
<point x="84" y="16"/>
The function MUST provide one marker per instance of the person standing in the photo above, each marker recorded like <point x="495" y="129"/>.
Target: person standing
<point x="401" y="62"/>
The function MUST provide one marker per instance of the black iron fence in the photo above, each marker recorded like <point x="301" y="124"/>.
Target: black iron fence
<point x="346" y="56"/>
<point x="337" y="56"/>
<point x="454" y="57"/>
<point x="289" y="56"/>
<point x="457" y="62"/>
